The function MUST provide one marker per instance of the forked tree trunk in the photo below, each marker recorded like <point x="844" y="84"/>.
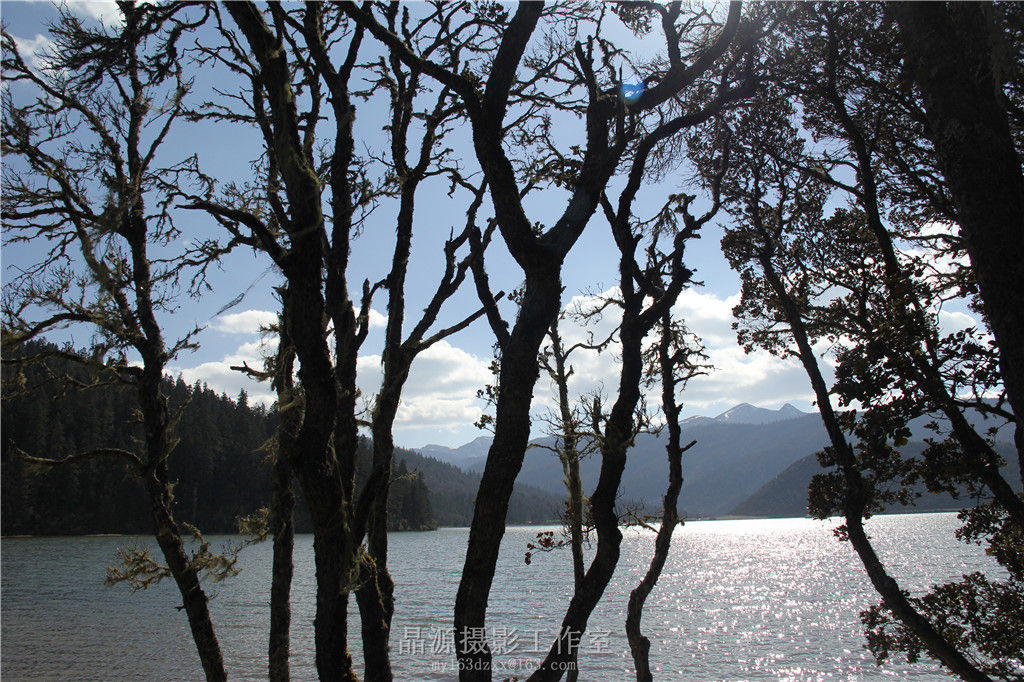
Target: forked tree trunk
<point x="323" y="459"/>
<point x="618" y="438"/>
<point x="519" y="373"/>
<point x="376" y="590"/>
<point x="319" y="472"/>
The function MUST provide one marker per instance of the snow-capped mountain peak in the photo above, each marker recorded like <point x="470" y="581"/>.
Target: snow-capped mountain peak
<point x="745" y="413"/>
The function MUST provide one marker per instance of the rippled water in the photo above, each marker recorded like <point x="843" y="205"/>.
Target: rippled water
<point x="738" y="600"/>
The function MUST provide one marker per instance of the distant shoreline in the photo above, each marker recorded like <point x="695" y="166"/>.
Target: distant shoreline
<point x="511" y="525"/>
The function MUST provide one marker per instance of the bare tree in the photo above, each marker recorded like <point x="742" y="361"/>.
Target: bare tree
<point x="86" y="139"/>
<point x="575" y="437"/>
<point x="284" y="217"/>
<point x="645" y="294"/>
<point x="432" y="160"/>
<point x="287" y="58"/>
<point x="576" y="430"/>
<point x="610" y="130"/>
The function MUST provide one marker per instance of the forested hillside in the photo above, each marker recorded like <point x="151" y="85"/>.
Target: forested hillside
<point x="219" y="463"/>
<point x="453" y="492"/>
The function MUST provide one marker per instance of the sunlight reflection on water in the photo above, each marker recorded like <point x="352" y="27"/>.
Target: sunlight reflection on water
<point x="769" y="599"/>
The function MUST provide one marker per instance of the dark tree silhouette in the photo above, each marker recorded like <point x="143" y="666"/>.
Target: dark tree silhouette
<point x="808" y="278"/>
<point x="88" y="137"/>
<point x="673" y="361"/>
<point x="611" y="130"/>
<point x="285" y="54"/>
<point x="953" y="52"/>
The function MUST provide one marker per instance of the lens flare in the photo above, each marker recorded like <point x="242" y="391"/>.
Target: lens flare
<point x="631" y="91"/>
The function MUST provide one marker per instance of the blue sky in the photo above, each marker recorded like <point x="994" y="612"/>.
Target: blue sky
<point x="440" y="403"/>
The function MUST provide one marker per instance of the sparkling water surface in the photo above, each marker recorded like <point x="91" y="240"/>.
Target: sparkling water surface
<point x="770" y="599"/>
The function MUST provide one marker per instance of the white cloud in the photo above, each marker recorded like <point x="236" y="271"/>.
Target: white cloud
<point x="245" y="322"/>
<point x="708" y="316"/>
<point x="105" y="11"/>
<point x="219" y="376"/>
<point x="250" y="321"/>
<point x="440" y="394"/>
<point x="447" y="414"/>
<point x="35" y="51"/>
<point x="758" y="378"/>
<point x="695" y="305"/>
<point x="444" y="369"/>
<point x="440" y="391"/>
<point x="951" y="321"/>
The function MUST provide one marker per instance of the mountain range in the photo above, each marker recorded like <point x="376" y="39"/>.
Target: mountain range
<point x="460" y="456"/>
<point x="747" y="461"/>
<point x="736" y="453"/>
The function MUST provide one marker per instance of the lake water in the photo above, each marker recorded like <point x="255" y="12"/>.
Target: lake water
<point x="738" y="600"/>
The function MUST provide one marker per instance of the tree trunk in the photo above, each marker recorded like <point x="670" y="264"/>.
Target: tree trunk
<point x="950" y="51"/>
<point x="317" y="468"/>
<point x="575" y="520"/>
<point x="855" y="492"/>
<point x="519" y="373"/>
<point x="376" y="607"/>
<point x="333" y="660"/>
<point x="639" y="645"/>
<point x="618" y="438"/>
<point x="376" y="591"/>
<point x="153" y="406"/>
<point x="569" y="455"/>
<point x="282" y="508"/>
<point x="282" y="505"/>
<point x="194" y="600"/>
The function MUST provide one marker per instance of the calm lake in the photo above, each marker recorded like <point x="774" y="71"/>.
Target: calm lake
<point x="738" y="600"/>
